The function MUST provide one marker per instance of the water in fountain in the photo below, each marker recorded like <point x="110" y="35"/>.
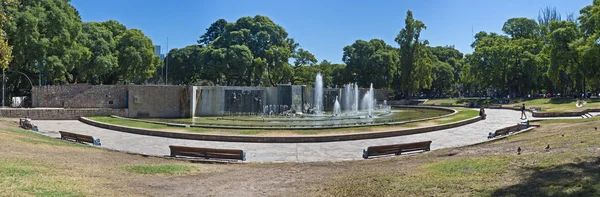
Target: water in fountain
<point x="336" y="107"/>
<point x="373" y="101"/>
<point x="318" y="96"/>
<point x="368" y="101"/>
<point x="350" y="98"/>
<point x="355" y="97"/>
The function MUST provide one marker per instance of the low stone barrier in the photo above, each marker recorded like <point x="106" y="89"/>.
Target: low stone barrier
<point x="277" y="139"/>
<point x="59" y="113"/>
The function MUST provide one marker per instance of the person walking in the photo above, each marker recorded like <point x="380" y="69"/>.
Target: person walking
<point x="523" y="112"/>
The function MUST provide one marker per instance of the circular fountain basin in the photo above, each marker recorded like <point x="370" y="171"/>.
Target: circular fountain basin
<point x="316" y="121"/>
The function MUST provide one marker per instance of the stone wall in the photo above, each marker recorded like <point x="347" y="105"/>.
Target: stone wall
<point x="159" y="101"/>
<point x="80" y="96"/>
<point x="59" y="114"/>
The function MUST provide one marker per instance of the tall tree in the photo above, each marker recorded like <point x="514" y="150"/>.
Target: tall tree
<point x="564" y="59"/>
<point x="521" y="28"/>
<point x="5" y="49"/>
<point x="103" y="61"/>
<point x="42" y="34"/>
<point x="135" y="53"/>
<point x="215" y="30"/>
<point x="370" y="62"/>
<point x="415" y="66"/>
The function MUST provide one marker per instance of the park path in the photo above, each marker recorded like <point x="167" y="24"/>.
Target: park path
<point x="287" y="152"/>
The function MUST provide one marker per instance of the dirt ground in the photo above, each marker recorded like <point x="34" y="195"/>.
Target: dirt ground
<point x="35" y="165"/>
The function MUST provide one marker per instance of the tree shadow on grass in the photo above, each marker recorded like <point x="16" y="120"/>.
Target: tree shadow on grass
<point x="576" y="179"/>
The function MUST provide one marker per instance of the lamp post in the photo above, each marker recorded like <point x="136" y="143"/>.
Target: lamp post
<point x="4" y="81"/>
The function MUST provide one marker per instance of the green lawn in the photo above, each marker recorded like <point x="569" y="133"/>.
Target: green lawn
<point x="560" y="104"/>
<point x="159" y="169"/>
<point x="454" y="101"/>
<point x="547" y="105"/>
<point x="462" y="114"/>
<point x="570" y="168"/>
<point x="137" y="124"/>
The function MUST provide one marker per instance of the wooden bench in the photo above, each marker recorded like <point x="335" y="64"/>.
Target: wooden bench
<point x="507" y="130"/>
<point x="396" y="149"/>
<point x="79" y="138"/>
<point x="207" y="153"/>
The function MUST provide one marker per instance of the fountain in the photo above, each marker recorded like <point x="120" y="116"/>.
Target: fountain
<point x="318" y="95"/>
<point x="368" y="102"/>
<point x="296" y="107"/>
<point x="336" y="107"/>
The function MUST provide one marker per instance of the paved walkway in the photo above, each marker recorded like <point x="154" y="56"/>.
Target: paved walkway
<point x="288" y="152"/>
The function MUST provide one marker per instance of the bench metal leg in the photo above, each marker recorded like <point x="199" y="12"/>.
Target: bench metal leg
<point x="365" y="154"/>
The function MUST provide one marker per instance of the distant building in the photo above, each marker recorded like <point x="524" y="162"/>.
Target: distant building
<point x="157" y="52"/>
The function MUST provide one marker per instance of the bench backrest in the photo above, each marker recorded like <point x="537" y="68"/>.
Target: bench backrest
<point x="207" y="153"/>
<point x="396" y="148"/>
<point x="507" y="130"/>
<point x="76" y="137"/>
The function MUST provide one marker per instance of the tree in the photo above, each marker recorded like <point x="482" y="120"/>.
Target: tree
<point x="521" y="28"/>
<point x="563" y="57"/>
<point x="42" y="31"/>
<point x="415" y="66"/>
<point x="443" y="78"/>
<point x="215" y="30"/>
<point x="303" y="58"/>
<point x="370" y="62"/>
<point x="5" y="49"/>
<point x="268" y="43"/>
<point x="101" y="43"/>
<point x="185" y="64"/>
<point x="489" y="61"/>
<point x="135" y="54"/>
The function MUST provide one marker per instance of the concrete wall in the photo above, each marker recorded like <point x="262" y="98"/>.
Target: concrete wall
<point x="159" y="101"/>
<point x="80" y="96"/>
<point x="211" y="100"/>
<point x="59" y="114"/>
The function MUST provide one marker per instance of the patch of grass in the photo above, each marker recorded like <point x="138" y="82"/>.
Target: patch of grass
<point x="574" y="120"/>
<point x="53" y="142"/>
<point x="39" y="191"/>
<point x="467" y="167"/>
<point x="36" y="138"/>
<point x="560" y="104"/>
<point x="462" y="101"/>
<point x="15" y="168"/>
<point x="137" y="124"/>
<point x="128" y="123"/>
<point x="249" y="132"/>
<point x="462" y="114"/>
<point x="159" y="169"/>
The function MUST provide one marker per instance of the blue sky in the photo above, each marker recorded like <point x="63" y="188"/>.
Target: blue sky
<point x="323" y="27"/>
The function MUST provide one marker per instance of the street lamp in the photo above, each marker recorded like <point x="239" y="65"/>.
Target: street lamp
<point x="4" y="81"/>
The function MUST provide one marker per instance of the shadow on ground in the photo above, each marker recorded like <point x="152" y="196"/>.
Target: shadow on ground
<point x="575" y="179"/>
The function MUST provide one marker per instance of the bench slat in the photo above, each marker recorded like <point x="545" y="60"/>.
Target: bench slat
<point x="78" y="137"/>
<point x="396" y="149"/>
<point x="208" y="153"/>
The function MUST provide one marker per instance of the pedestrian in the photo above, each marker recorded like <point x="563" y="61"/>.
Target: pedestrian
<point x="523" y="112"/>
